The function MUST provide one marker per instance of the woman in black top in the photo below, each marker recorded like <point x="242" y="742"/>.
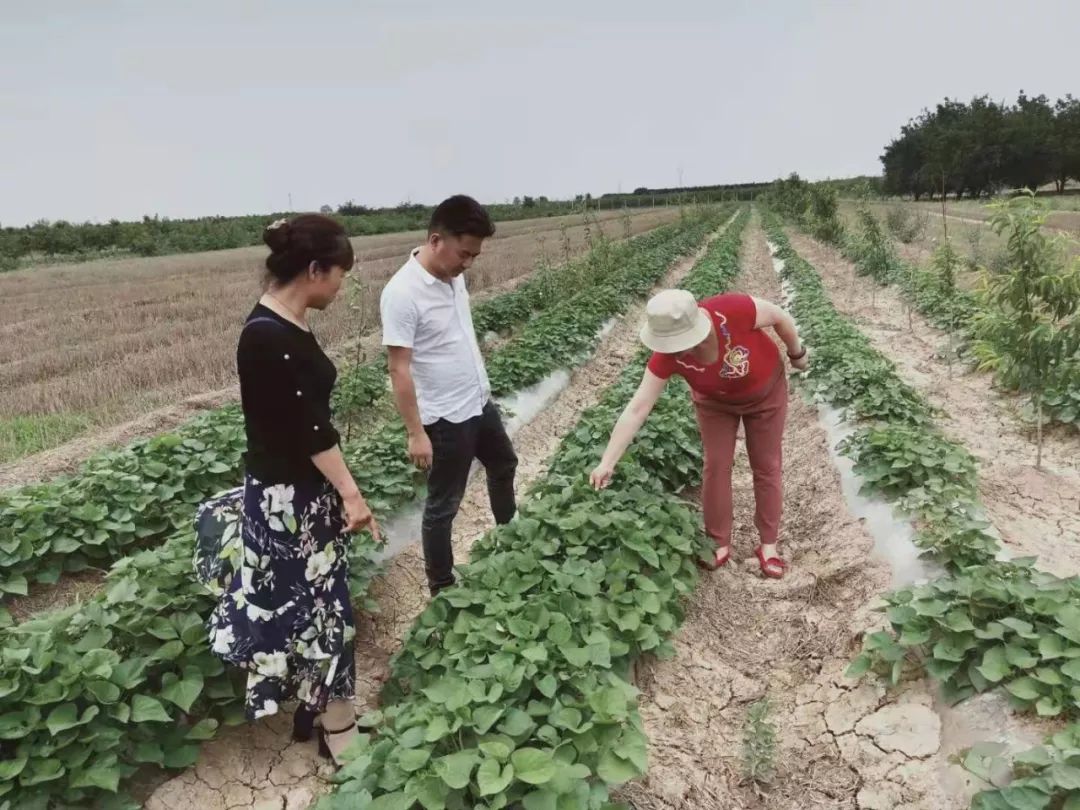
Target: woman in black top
<point x="286" y="615"/>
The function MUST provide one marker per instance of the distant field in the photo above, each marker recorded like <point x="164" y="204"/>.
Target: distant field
<point x="84" y="346"/>
<point x="1064" y="211"/>
<point x="968" y="226"/>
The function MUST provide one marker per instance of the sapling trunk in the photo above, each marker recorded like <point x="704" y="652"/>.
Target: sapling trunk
<point x="1038" y="431"/>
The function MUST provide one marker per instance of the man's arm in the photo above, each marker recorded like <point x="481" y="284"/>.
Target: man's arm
<point x="405" y="399"/>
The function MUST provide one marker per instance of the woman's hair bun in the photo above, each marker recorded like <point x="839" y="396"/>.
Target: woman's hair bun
<point x="276" y="235"/>
<point x="296" y="243"/>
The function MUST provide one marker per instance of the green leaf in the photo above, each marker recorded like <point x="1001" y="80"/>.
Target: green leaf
<point x="535" y="653"/>
<point x="145" y="709"/>
<point x="203" y="730"/>
<point x="391" y="801"/>
<point x="533" y="765"/>
<point x="40" y="771"/>
<point x="575" y="656"/>
<point x="104" y="691"/>
<point x="182" y="757"/>
<point x="122" y="592"/>
<point x="169" y="651"/>
<point x="516" y="723"/>
<point x="491" y="779"/>
<point x="485" y="717"/>
<point x="496" y="749"/>
<point x="103" y="773"/>
<point x="1024" y="688"/>
<point x="161" y="628"/>
<point x="548" y="686"/>
<point x="1051" y="646"/>
<point x="451" y="692"/>
<point x="615" y="771"/>
<point x="412" y="737"/>
<point x="1037" y="757"/>
<point x="414" y="759"/>
<point x="437" y="729"/>
<point x="456" y="769"/>
<point x="1071" y="668"/>
<point x="541" y="800"/>
<point x="994" y="665"/>
<point x="184" y="692"/>
<point x="1020" y="627"/>
<point x="1019" y="657"/>
<point x="859" y="667"/>
<point x="566" y="717"/>
<point x="610" y="701"/>
<point x="62" y="718"/>
<point x="1064" y="776"/>
<point x="10" y="768"/>
<point x="431" y="792"/>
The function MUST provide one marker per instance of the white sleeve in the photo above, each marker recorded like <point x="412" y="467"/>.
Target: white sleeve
<point x="398" y="315"/>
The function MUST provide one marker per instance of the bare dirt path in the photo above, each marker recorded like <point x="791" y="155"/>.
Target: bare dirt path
<point x="257" y="766"/>
<point x="1037" y="512"/>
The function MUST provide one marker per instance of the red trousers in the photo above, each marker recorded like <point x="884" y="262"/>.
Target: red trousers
<point x="764" y="423"/>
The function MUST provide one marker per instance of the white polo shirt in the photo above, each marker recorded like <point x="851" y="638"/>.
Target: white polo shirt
<point x="432" y="318"/>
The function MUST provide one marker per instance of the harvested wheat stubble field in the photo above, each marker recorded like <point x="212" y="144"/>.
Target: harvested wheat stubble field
<point x="99" y="343"/>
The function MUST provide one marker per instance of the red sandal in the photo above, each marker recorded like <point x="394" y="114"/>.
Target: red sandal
<point x="772" y="567"/>
<point x="716" y="562"/>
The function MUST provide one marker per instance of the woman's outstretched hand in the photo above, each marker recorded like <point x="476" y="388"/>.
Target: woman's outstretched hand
<point x="358" y="516"/>
<point x="601" y="476"/>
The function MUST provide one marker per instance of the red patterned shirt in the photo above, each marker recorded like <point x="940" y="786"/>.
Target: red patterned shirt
<point x="749" y="361"/>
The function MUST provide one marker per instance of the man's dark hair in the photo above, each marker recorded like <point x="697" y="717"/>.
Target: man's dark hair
<point x="461" y="215"/>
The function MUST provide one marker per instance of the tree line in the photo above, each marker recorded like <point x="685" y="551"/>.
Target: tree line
<point x="159" y="236"/>
<point x="983" y="146"/>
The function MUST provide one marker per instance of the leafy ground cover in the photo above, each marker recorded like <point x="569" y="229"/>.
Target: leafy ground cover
<point x="512" y="689"/>
<point x="90" y="693"/>
<point x="139" y="495"/>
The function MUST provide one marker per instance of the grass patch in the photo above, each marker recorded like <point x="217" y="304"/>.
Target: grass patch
<point x="25" y="435"/>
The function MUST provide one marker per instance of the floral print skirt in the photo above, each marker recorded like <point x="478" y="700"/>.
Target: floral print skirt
<point x="278" y="556"/>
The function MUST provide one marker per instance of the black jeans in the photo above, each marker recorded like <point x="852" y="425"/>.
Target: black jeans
<point x="454" y="447"/>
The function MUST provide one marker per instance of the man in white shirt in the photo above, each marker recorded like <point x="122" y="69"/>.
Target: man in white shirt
<point x="440" y="384"/>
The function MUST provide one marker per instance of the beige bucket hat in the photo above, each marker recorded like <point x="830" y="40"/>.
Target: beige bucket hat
<point x="674" y="322"/>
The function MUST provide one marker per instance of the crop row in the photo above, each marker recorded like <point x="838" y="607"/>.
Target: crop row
<point x="90" y="693"/>
<point x="511" y="689"/>
<point x="142" y="493"/>
<point x="986" y="622"/>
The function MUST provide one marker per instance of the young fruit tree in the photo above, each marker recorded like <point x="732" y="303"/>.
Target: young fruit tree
<point x="1028" y="329"/>
<point x="946" y="263"/>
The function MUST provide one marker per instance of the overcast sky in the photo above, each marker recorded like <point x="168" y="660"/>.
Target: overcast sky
<point x="119" y="109"/>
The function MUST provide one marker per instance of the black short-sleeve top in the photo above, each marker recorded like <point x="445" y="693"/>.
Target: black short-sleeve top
<point x="285" y="385"/>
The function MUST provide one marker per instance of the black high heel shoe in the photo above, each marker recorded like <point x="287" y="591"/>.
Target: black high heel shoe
<point x="303" y="724"/>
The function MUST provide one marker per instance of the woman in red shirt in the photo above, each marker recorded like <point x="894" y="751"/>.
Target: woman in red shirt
<point x="735" y="373"/>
